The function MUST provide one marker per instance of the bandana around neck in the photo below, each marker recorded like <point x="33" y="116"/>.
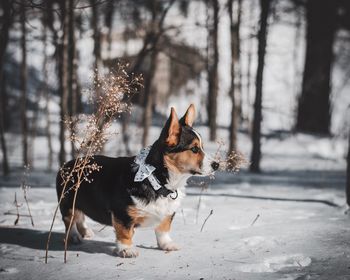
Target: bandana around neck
<point x="145" y="172"/>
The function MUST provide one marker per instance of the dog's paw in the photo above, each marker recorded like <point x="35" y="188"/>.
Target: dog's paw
<point x="126" y="252"/>
<point x="88" y="233"/>
<point x="75" y="239"/>
<point x="169" y="246"/>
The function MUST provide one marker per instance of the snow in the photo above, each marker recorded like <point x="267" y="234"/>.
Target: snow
<point x="277" y="225"/>
<point x="286" y="223"/>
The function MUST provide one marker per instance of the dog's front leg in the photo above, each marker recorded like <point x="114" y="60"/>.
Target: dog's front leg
<point x="162" y="234"/>
<point x="124" y="236"/>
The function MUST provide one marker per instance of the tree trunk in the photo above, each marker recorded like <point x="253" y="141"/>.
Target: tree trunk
<point x="24" y="124"/>
<point x="109" y="13"/>
<point x="249" y="63"/>
<point x="47" y="96"/>
<point x="5" y="164"/>
<point x="63" y="75"/>
<point x="148" y="92"/>
<point x="296" y="51"/>
<point x="149" y="98"/>
<point x="314" y="103"/>
<point x="256" y="135"/>
<point x="213" y="59"/>
<point x="96" y="35"/>
<point x="152" y="39"/>
<point x="4" y="38"/>
<point x="234" y="87"/>
<point x="348" y="175"/>
<point x="72" y="87"/>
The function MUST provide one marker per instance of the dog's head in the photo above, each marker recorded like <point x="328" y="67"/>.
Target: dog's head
<point x="183" y="146"/>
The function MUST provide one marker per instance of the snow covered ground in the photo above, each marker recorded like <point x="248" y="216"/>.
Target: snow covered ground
<point x="287" y="223"/>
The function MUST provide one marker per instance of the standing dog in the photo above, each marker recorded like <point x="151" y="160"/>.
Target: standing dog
<point x="145" y="190"/>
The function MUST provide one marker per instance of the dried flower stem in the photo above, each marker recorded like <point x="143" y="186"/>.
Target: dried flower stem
<point x="256" y="218"/>
<point x="206" y="219"/>
<point x="17" y="206"/>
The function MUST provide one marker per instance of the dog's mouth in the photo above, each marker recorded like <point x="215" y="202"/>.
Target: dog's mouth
<point x="201" y="173"/>
<point x="195" y="172"/>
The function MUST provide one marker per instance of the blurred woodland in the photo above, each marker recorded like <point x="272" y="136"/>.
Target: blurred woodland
<point x="214" y="52"/>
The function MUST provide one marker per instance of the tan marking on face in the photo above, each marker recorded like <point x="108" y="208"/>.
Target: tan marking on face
<point x="165" y="225"/>
<point x="124" y="235"/>
<point x="136" y="216"/>
<point x="186" y="161"/>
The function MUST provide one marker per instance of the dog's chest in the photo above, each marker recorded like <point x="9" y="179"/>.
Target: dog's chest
<point x="155" y="211"/>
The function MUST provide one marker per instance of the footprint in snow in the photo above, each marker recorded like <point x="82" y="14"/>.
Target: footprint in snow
<point x="8" y="270"/>
<point x="276" y="263"/>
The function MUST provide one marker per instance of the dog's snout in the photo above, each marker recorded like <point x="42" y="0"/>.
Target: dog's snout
<point x="215" y="165"/>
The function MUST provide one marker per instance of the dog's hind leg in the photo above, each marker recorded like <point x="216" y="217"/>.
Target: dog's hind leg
<point x="82" y="228"/>
<point x="162" y="234"/>
<point x="73" y="236"/>
<point x="124" y="236"/>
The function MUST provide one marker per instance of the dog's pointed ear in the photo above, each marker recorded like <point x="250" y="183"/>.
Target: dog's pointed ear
<point x="189" y="116"/>
<point x="172" y="129"/>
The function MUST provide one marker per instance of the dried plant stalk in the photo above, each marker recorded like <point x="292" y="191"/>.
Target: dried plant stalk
<point x="206" y="219"/>
<point x="17" y="211"/>
<point x="25" y="189"/>
<point x="231" y="161"/>
<point x="111" y="96"/>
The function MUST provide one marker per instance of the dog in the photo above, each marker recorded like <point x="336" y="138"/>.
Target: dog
<point x="143" y="190"/>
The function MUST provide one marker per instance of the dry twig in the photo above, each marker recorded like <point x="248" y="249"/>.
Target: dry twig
<point x="25" y="189"/>
<point x="256" y="218"/>
<point x="17" y="206"/>
<point x="206" y="219"/>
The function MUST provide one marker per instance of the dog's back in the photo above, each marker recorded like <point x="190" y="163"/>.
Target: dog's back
<point x="104" y="187"/>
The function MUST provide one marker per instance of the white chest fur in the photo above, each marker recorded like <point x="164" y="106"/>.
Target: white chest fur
<point x="157" y="210"/>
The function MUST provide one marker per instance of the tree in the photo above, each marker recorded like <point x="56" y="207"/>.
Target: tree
<point x="63" y="79"/>
<point x="234" y="87"/>
<point x="314" y="104"/>
<point x="71" y="76"/>
<point x="96" y="34"/>
<point x="213" y="60"/>
<point x="251" y="38"/>
<point x="151" y="44"/>
<point x="262" y="38"/>
<point x="45" y="88"/>
<point x="4" y="38"/>
<point x="109" y="13"/>
<point x="23" y="79"/>
<point x="348" y="174"/>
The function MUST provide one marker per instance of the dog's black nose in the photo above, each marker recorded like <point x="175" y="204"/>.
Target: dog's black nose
<point x="215" y="165"/>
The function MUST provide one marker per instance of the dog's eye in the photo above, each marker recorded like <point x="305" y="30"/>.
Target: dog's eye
<point x="195" y="149"/>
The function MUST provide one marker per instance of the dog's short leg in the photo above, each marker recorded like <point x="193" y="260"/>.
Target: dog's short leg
<point x="74" y="236"/>
<point x="162" y="234"/>
<point x="124" y="236"/>
<point x="83" y="229"/>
